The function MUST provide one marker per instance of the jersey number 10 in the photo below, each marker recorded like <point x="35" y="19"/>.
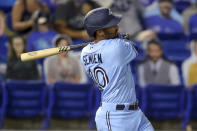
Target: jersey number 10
<point x="95" y="77"/>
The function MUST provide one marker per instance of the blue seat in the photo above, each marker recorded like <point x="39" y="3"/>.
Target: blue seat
<point x="181" y="5"/>
<point x="191" y="112"/>
<point x="3" y="103"/>
<point x="171" y="36"/>
<point x="6" y="5"/>
<point x="163" y="102"/>
<point x="194" y="102"/>
<point x="26" y="99"/>
<point x="174" y="44"/>
<point x="69" y="101"/>
<point x="192" y="36"/>
<point x="175" y="49"/>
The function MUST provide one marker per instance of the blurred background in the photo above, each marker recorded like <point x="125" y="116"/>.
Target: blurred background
<point x="56" y="94"/>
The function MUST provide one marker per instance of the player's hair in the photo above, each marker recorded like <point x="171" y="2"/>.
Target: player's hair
<point x="11" y="52"/>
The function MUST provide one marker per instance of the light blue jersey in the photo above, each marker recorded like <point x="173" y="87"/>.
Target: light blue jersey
<point x="108" y="63"/>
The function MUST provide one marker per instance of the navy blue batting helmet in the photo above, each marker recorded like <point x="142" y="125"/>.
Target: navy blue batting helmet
<point x="100" y="18"/>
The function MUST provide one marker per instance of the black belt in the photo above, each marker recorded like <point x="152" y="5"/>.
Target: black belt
<point x="131" y="107"/>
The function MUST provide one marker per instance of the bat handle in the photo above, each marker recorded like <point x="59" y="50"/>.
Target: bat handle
<point x="72" y="47"/>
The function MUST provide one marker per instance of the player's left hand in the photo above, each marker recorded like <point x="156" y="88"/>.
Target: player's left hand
<point x="123" y="36"/>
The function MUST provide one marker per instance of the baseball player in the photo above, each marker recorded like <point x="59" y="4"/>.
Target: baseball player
<point x="106" y="60"/>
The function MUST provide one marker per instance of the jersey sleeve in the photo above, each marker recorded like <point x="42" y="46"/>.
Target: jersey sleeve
<point x="127" y="51"/>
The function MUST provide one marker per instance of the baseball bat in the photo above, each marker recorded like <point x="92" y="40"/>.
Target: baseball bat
<point x="34" y="55"/>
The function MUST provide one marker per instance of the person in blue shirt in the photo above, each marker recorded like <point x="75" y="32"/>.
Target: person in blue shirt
<point x="164" y="23"/>
<point x="107" y="60"/>
<point x="154" y="9"/>
<point x="42" y="37"/>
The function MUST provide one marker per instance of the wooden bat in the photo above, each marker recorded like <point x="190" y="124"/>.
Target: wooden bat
<point x="34" y="55"/>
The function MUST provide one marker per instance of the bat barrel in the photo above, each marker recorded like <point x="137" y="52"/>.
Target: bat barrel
<point x="34" y="55"/>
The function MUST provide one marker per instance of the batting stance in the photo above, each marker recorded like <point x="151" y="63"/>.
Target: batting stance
<point x="107" y="61"/>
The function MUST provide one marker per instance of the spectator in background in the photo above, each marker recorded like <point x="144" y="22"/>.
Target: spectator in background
<point x="131" y="11"/>
<point x="156" y="68"/>
<point x="187" y="14"/>
<point x="189" y="66"/>
<point x="69" y="18"/>
<point x="24" y="13"/>
<point x="42" y="37"/>
<point x="16" y="69"/>
<point x="154" y="9"/>
<point x="68" y="69"/>
<point x="164" y="23"/>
